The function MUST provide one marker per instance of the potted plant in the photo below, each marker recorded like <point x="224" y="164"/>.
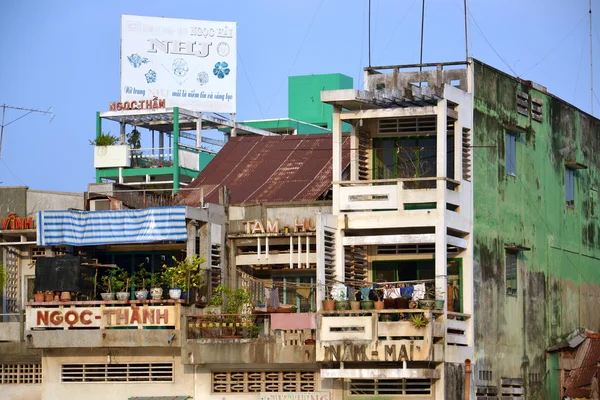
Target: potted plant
<point x="390" y="294"/>
<point x="183" y="276"/>
<point x="121" y="284"/>
<point x="139" y="280"/>
<point x="339" y="295"/>
<point x="38" y="297"/>
<point x="419" y="321"/>
<point x="378" y="305"/>
<point x="402" y="302"/>
<point x="105" y="139"/>
<point x="155" y="283"/>
<point x="328" y="303"/>
<point x="234" y="303"/>
<point x="357" y="297"/>
<point x="107" y="284"/>
<point x="365" y="303"/>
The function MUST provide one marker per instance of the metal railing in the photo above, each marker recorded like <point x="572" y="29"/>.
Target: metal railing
<point x="223" y="326"/>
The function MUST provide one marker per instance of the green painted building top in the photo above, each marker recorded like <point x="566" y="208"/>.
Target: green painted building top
<point x="304" y="97"/>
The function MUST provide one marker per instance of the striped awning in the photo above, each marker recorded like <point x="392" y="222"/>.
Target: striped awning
<point x="85" y="228"/>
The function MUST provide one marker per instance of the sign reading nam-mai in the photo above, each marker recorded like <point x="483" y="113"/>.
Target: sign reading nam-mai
<point x="100" y="317"/>
<point x="393" y="351"/>
<point x="13" y="222"/>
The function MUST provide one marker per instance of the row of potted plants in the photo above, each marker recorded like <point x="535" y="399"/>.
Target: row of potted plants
<point x="380" y="297"/>
<point x="181" y="277"/>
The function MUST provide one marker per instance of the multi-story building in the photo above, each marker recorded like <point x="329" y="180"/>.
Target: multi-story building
<point x="474" y="184"/>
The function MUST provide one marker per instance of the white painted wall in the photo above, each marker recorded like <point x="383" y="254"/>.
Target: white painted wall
<point x="21" y="392"/>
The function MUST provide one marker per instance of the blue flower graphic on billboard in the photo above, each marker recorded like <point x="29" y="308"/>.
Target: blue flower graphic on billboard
<point x="136" y="60"/>
<point x="180" y="67"/>
<point x="221" y="69"/>
<point x="150" y="76"/>
<point x="202" y="78"/>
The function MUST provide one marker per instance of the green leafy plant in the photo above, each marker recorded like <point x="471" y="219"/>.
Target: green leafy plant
<point x="122" y="280"/>
<point x="141" y="278"/>
<point x="107" y="282"/>
<point x="419" y="320"/>
<point x="155" y="280"/>
<point x="2" y="277"/>
<point x="184" y="274"/>
<point x="105" y="139"/>
<point x="234" y="299"/>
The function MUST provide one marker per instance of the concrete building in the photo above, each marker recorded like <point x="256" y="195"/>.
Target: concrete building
<point x="453" y="178"/>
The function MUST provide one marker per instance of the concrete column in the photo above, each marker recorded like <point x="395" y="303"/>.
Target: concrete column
<point x="123" y="126"/>
<point x="354" y="154"/>
<point x="199" y="132"/>
<point x="336" y="134"/>
<point x="175" y="149"/>
<point x="233" y="132"/>
<point x="98" y="133"/>
<point x="192" y="231"/>
<point x="441" y="261"/>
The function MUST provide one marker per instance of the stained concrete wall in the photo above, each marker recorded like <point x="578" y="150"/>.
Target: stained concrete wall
<point x="558" y="283"/>
<point x="39" y="200"/>
<point x="13" y="200"/>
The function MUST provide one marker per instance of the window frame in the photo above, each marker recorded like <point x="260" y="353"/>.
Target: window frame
<point x="513" y="270"/>
<point x="510" y="147"/>
<point x="570" y="188"/>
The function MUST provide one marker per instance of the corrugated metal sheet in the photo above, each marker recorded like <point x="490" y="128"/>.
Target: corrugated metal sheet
<point x="578" y="383"/>
<point x="260" y="169"/>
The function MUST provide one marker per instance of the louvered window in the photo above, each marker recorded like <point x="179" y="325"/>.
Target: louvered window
<point x="263" y="381"/>
<point x="130" y="372"/>
<point x="466" y="154"/>
<point x="329" y="257"/>
<point x="389" y="387"/>
<point x="18" y="374"/>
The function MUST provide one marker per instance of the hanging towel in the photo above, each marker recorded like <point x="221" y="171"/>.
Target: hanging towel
<point x="275" y="298"/>
<point x="304" y="292"/>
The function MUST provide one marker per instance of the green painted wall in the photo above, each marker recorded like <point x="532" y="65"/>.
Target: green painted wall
<point x="304" y="97"/>
<point x="559" y="278"/>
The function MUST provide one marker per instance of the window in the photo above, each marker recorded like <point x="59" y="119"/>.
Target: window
<point x="131" y="372"/>
<point x="389" y="387"/>
<point x="15" y="374"/>
<point x="570" y="187"/>
<point x="511" y="153"/>
<point x="511" y="273"/>
<point x="263" y="381"/>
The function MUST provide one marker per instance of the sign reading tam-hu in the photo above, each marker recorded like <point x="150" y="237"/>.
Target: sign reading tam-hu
<point x="192" y="64"/>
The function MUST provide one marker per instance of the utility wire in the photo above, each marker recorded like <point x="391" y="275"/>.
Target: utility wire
<point x="9" y="170"/>
<point x="558" y="45"/>
<point x="490" y="44"/>
<point x="250" y="83"/>
<point x="578" y="70"/>
<point x="398" y="26"/>
<point x="297" y="54"/>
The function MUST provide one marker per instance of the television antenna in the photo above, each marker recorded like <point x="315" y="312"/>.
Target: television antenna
<point x="29" y="111"/>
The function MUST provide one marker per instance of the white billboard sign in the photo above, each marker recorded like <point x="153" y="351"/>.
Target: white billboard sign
<point x="192" y="64"/>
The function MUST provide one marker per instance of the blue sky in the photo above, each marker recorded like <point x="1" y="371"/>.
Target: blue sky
<point x="65" y="54"/>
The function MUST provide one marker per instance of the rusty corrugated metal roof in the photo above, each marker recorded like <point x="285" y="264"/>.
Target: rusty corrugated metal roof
<point x="579" y="381"/>
<point x="259" y="169"/>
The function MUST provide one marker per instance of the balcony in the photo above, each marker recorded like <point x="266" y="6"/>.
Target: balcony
<point x="391" y="203"/>
<point x="263" y="338"/>
<point x="132" y="323"/>
<point x="390" y="336"/>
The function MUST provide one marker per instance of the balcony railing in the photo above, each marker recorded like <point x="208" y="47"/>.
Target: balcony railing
<point x="152" y="157"/>
<point x="287" y="329"/>
<point x="393" y="194"/>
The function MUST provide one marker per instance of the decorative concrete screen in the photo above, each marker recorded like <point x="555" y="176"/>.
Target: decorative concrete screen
<point x="85" y="228"/>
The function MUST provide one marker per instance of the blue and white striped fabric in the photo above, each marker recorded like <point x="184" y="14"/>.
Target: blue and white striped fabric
<point x="85" y="228"/>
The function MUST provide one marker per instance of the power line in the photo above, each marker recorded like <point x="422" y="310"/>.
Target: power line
<point x="557" y="46"/>
<point x="490" y="44"/>
<point x="12" y="173"/>
<point x="578" y="70"/>
<point x="250" y="83"/>
<point x="29" y="111"/>
<point x="398" y="26"/>
<point x="297" y="54"/>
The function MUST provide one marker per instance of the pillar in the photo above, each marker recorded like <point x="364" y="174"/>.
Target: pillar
<point x="175" y="150"/>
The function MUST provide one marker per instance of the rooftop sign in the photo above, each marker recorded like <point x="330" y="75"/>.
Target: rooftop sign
<point x="192" y="64"/>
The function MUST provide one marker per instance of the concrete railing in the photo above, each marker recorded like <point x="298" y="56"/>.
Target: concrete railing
<point x="393" y="194"/>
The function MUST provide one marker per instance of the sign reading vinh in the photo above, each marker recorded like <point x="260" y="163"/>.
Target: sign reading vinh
<point x="192" y="64"/>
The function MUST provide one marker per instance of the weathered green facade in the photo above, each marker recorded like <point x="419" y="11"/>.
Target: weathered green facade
<point x="557" y="244"/>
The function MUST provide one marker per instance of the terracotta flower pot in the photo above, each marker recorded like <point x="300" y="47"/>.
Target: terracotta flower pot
<point x="401" y="303"/>
<point x="355" y="305"/>
<point x="38" y="297"/>
<point x="328" y="305"/>
<point x="378" y="305"/>
<point x="389" y="303"/>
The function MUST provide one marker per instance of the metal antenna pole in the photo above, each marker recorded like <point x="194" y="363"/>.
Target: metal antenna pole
<point x="466" y="33"/>
<point x="369" y="34"/>
<point x="422" y="28"/>
<point x="29" y="111"/>
<point x="591" y="65"/>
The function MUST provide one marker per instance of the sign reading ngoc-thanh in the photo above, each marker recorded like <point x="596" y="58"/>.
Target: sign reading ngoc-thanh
<point x="192" y="64"/>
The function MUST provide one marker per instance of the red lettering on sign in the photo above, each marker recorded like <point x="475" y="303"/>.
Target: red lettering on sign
<point x="56" y="318"/>
<point x="148" y="316"/>
<point x="135" y="317"/>
<point x="164" y="316"/>
<point x="42" y="317"/>
<point x="13" y="222"/>
<point x="84" y="317"/>
<point x="71" y="317"/>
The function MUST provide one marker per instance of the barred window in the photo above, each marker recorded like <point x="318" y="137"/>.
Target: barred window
<point x="15" y="374"/>
<point x="130" y="372"/>
<point x="389" y="387"/>
<point x="263" y="381"/>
